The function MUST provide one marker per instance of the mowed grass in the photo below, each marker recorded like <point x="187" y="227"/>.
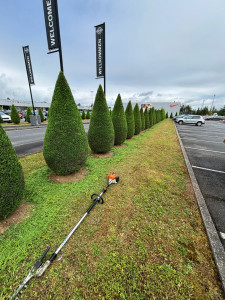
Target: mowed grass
<point x="147" y="240"/>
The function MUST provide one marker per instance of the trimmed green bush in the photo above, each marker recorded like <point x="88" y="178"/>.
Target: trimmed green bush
<point x="142" y="119"/>
<point x="101" y="131"/>
<point x="176" y="114"/>
<point x="137" y="120"/>
<point x="1" y="121"/>
<point x="171" y="115"/>
<point x="40" y="112"/>
<point x="119" y="121"/>
<point x="88" y="116"/>
<point x="154" y="115"/>
<point x="163" y="114"/>
<point x="167" y="115"/>
<point x="151" y="117"/>
<point x="29" y="112"/>
<point x="158" y="115"/>
<point x="130" y="120"/>
<point x="15" y="115"/>
<point x="65" y="143"/>
<point x="83" y="116"/>
<point x="11" y="177"/>
<point x="147" y="123"/>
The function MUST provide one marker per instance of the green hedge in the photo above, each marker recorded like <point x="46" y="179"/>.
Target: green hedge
<point x="101" y="131"/>
<point x="137" y="120"/>
<point x="65" y="143"/>
<point x="119" y="121"/>
<point x="11" y="177"/>
<point x="130" y="120"/>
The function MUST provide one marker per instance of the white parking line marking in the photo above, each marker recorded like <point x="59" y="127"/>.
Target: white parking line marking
<point x="208" y="169"/>
<point x="202" y="141"/>
<point x="222" y="235"/>
<point x="205" y="150"/>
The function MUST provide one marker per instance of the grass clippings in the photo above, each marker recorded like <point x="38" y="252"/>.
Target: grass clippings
<point x="146" y="241"/>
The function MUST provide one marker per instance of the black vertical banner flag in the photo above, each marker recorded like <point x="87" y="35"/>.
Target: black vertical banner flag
<point x="50" y="12"/>
<point x="100" y="50"/>
<point x="26" y="53"/>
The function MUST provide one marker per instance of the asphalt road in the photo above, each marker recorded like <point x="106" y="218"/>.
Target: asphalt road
<point x="205" y="148"/>
<point x="28" y="141"/>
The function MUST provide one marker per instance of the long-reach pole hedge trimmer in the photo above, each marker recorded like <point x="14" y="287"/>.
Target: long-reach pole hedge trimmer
<point x="39" y="267"/>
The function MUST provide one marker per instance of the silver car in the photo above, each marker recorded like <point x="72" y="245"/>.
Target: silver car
<point x="5" y="117"/>
<point x="191" y="119"/>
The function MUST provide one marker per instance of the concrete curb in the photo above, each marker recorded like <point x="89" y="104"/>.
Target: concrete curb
<point x="214" y="240"/>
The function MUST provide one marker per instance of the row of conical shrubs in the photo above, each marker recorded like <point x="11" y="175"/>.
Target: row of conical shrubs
<point x="66" y="144"/>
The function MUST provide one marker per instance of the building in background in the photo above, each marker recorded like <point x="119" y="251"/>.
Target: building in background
<point x="22" y="105"/>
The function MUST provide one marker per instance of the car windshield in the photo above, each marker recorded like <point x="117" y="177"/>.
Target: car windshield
<point x="2" y="113"/>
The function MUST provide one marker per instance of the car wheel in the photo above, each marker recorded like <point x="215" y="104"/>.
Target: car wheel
<point x="180" y="122"/>
<point x="199" y="124"/>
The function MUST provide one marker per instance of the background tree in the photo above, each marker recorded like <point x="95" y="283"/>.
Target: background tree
<point x="40" y="112"/>
<point x="88" y="116"/>
<point x="130" y="120"/>
<point x="137" y="120"/>
<point x="151" y="117"/>
<point x="83" y="116"/>
<point x="11" y="177"/>
<point x="142" y="119"/>
<point x="15" y="115"/>
<point x="119" y="121"/>
<point x="65" y="143"/>
<point x="101" y="131"/>
<point x="27" y="119"/>
<point x="221" y="112"/>
<point x="163" y="114"/>
<point x="147" y="123"/>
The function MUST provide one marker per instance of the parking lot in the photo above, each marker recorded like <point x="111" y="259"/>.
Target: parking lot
<point x="205" y="147"/>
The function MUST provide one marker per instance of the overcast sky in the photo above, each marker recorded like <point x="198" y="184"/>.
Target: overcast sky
<point x="156" y="50"/>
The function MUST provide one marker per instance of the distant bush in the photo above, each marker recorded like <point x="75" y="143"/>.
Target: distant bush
<point x="176" y="114"/>
<point x="154" y="115"/>
<point x="101" y="131"/>
<point x="29" y="112"/>
<point x="11" y="177"/>
<point x="142" y="119"/>
<point x="163" y="114"/>
<point x="41" y="114"/>
<point x="119" y="121"/>
<point x="15" y="115"/>
<point x="171" y="115"/>
<point x="130" y="120"/>
<point x="65" y="143"/>
<point x="88" y="116"/>
<point x="167" y="115"/>
<point x="137" y="120"/>
<point x="147" y="123"/>
<point x="83" y="116"/>
<point x="1" y="121"/>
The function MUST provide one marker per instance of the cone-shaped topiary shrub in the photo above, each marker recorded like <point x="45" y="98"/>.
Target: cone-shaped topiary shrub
<point x="83" y="116"/>
<point x="163" y="114"/>
<point x="151" y="117"/>
<point x="142" y="119"/>
<point x="41" y="114"/>
<point x="101" y="131"/>
<point x="29" y="112"/>
<point x="15" y="115"/>
<point x="88" y="116"/>
<point x="1" y="121"/>
<point x="167" y="115"/>
<point x="65" y="143"/>
<point x="158" y="115"/>
<point x="176" y="114"/>
<point x="171" y="115"/>
<point x="137" y="120"/>
<point x="119" y="122"/>
<point x="130" y="120"/>
<point x="11" y="177"/>
<point x="154" y="115"/>
<point x="147" y="123"/>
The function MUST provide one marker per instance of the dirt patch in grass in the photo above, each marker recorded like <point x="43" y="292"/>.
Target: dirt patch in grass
<point x="22" y="212"/>
<point x="102" y="155"/>
<point x="75" y="177"/>
<point x="120" y="146"/>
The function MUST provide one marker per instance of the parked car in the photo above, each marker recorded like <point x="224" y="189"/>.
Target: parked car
<point x="5" y="117"/>
<point x="20" y="115"/>
<point x="191" y="119"/>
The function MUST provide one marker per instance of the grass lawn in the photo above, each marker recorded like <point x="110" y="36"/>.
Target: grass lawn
<point x="147" y="240"/>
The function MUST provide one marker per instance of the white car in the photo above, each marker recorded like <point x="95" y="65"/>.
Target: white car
<point x="191" y="119"/>
<point x="5" y="117"/>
